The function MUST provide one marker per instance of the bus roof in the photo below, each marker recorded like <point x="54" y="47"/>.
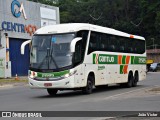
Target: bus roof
<point x="74" y="27"/>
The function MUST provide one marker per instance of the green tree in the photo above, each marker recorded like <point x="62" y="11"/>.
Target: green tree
<point x="141" y="17"/>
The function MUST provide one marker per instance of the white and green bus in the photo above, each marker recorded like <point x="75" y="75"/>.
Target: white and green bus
<point x="84" y="56"/>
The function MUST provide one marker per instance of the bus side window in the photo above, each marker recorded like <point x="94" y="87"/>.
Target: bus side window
<point x="78" y="53"/>
<point x="141" y="47"/>
<point x="129" y="45"/>
<point x="103" y="42"/>
<point x="84" y="35"/>
<point x="92" y="43"/>
<point x="112" y="44"/>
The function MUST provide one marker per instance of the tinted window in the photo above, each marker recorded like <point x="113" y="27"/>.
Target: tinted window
<point x="80" y="47"/>
<point x="93" y="44"/>
<point x="112" y="43"/>
<point x="84" y="35"/>
<point x="78" y="53"/>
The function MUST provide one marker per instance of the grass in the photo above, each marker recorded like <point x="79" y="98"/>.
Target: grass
<point x="12" y="81"/>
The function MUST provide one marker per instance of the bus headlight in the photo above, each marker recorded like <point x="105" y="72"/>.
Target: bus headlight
<point x="32" y="74"/>
<point x="70" y="74"/>
<point x="66" y="75"/>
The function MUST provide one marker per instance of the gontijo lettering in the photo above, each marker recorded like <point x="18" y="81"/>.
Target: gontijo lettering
<point x="106" y="59"/>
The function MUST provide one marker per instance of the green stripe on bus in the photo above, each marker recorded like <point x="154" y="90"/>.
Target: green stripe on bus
<point x="113" y="59"/>
<point x="53" y="74"/>
<point x="105" y="59"/>
<point x="121" y="69"/>
<point x="138" y="60"/>
<point x="132" y="59"/>
<point x="124" y="59"/>
<point x="94" y="58"/>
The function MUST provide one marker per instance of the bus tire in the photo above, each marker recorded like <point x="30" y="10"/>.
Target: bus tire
<point x="135" y="80"/>
<point x="89" y="87"/>
<point x="52" y="92"/>
<point x="130" y="80"/>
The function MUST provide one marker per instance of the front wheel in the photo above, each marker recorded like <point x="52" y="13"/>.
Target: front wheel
<point x="52" y="92"/>
<point x="89" y="87"/>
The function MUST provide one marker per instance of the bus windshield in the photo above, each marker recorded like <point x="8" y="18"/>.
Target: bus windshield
<point x="51" y="51"/>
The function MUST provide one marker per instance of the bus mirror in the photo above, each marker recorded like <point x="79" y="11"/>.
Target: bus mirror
<point x="73" y="43"/>
<point x="23" y="46"/>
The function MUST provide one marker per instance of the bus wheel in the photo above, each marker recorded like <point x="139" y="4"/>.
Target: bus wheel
<point x="52" y="92"/>
<point x="89" y="88"/>
<point x="135" y="80"/>
<point x="130" y="80"/>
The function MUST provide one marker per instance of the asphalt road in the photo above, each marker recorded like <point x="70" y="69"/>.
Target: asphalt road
<point x="114" y="98"/>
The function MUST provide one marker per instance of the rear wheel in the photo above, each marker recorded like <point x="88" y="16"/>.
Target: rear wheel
<point x="52" y="92"/>
<point x="135" y="80"/>
<point x="130" y="80"/>
<point x="89" y="87"/>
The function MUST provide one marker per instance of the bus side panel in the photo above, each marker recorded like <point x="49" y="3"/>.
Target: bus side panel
<point x="79" y="79"/>
<point x="88" y="69"/>
<point x="98" y="70"/>
<point x="111" y="74"/>
<point x="100" y="73"/>
<point x="142" y="72"/>
<point x="123" y="74"/>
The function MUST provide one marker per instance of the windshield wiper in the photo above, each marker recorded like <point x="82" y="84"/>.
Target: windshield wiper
<point x="53" y="60"/>
<point x="48" y="56"/>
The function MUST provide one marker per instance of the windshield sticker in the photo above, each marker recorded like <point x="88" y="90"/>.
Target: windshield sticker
<point x="53" y="39"/>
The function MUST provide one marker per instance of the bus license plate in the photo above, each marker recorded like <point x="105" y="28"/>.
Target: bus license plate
<point x="47" y="84"/>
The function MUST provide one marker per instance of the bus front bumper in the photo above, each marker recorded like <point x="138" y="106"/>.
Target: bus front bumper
<point x="65" y="83"/>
